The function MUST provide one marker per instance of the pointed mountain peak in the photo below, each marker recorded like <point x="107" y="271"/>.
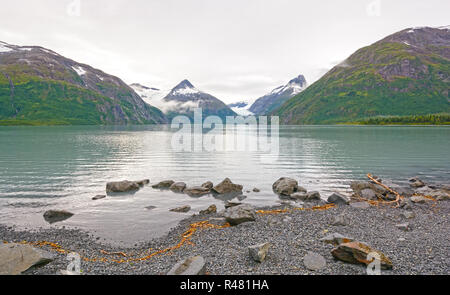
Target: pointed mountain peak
<point x="184" y="88"/>
<point x="300" y="80"/>
<point x="184" y="84"/>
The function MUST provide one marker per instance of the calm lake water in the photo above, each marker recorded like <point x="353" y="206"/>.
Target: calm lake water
<point x="44" y="168"/>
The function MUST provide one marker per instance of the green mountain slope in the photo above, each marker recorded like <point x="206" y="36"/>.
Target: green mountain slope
<point x="407" y="73"/>
<point x="41" y="87"/>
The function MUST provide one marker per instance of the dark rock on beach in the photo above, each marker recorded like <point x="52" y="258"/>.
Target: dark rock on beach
<point x="189" y="267"/>
<point x="337" y="198"/>
<point x="357" y="253"/>
<point x="17" y="258"/>
<point x="314" y="261"/>
<point x="259" y="252"/>
<point x="239" y="214"/>
<point x="52" y="216"/>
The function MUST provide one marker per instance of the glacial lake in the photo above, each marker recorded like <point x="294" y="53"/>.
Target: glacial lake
<point x="44" y="168"/>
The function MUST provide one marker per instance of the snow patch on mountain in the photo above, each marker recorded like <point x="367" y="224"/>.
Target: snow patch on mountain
<point x="3" y="47"/>
<point x="80" y="71"/>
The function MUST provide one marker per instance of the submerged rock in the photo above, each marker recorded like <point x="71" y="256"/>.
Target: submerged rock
<point x="229" y="204"/>
<point x="52" y="216"/>
<point x="121" y="186"/>
<point x="416" y="182"/>
<point x="143" y="182"/>
<point x="209" y="185"/>
<point x="226" y="187"/>
<point x="182" y="209"/>
<point x="285" y="186"/>
<point x="314" y="261"/>
<point x="17" y="258"/>
<point x="189" y="267"/>
<point x="239" y="214"/>
<point x="210" y="210"/>
<point x="163" y="184"/>
<point x="99" y="197"/>
<point x="178" y="187"/>
<point x="196" y="191"/>
<point x="357" y="253"/>
<point x="259" y="252"/>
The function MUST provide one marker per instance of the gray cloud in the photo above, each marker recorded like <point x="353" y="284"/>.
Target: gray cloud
<point x="234" y="49"/>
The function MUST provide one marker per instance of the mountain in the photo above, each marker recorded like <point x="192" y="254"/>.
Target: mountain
<point x="404" y="74"/>
<point x="184" y="97"/>
<point x="39" y="86"/>
<point x="274" y="99"/>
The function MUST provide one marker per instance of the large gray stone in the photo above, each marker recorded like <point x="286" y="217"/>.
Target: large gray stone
<point x="259" y="252"/>
<point x="338" y="198"/>
<point x="368" y="194"/>
<point x="227" y="187"/>
<point x="314" y="261"/>
<point x="122" y="186"/>
<point x="239" y="214"/>
<point x="285" y="186"/>
<point x="17" y="258"/>
<point x="189" y="267"/>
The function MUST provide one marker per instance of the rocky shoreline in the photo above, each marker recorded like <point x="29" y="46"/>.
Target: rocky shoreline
<point x="304" y="235"/>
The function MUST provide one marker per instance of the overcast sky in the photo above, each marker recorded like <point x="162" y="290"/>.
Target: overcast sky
<point x="233" y="49"/>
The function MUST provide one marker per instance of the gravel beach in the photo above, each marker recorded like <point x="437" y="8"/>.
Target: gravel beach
<point x="423" y="250"/>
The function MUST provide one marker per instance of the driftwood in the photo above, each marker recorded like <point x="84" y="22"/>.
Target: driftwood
<point x="397" y="195"/>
